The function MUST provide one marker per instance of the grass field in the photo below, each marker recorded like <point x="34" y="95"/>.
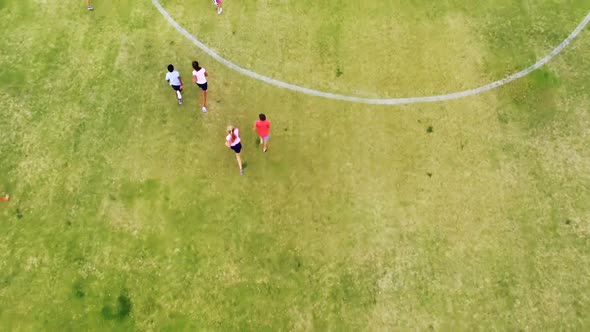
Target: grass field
<point x="128" y="212"/>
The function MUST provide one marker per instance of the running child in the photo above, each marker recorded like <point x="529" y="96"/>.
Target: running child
<point x="200" y="78"/>
<point x="217" y="4"/>
<point x="262" y="127"/>
<point x="232" y="141"/>
<point x="6" y="198"/>
<point x="173" y="77"/>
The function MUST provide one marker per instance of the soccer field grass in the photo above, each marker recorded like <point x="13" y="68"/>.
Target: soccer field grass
<point x="128" y="212"/>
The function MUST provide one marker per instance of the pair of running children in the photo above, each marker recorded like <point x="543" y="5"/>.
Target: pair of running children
<point x="199" y="77"/>
<point x="233" y="141"/>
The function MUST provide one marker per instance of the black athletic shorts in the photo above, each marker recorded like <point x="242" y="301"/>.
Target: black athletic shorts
<point x="237" y="148"/>
<point x="203" y="86"/>
<point x="176" y="87"/>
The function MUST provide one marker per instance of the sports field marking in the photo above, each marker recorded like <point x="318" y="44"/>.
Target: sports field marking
<point x="375" y="101"/>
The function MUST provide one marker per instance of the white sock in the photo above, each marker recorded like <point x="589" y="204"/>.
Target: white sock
<point x="178" y="95"/>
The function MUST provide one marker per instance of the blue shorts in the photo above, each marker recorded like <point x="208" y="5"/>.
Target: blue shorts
<point x="203" y="86"/>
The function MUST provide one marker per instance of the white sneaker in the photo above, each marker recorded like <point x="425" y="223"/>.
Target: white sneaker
<point x="219" y="11"/>
<point x="204" y="110"/>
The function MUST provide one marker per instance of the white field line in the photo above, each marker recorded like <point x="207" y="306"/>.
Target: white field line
<point x="375" y="101"/>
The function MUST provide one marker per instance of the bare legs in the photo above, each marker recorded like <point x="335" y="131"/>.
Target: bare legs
<point x="239" y="159"/>
<point x="88" y="5"/>
<point x="203" y="108"/>
<point x="219" y="5"/>
<point x="178" y="96"/>
<point x="264" y="144"/>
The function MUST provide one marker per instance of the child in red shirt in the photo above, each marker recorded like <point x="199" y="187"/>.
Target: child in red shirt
<point x="6" y="198"/>
<point x="262" y="127"/>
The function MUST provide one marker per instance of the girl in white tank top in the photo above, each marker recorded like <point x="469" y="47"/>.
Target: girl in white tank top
<point x="200" y="78"/>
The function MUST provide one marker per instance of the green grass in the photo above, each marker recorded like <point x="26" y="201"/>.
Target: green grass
<point x="128" y="212"/>
<point x="382" y="48"/>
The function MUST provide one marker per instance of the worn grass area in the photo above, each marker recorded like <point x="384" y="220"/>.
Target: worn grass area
<point x="129" y="213"/>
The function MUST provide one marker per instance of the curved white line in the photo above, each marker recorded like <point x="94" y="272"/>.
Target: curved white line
<point x="375" y="101"/>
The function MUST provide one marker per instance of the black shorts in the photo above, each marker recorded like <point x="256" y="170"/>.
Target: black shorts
<point x="237" y="148"/>
<point x="176" y="87"/>
<point x="203" y="86"/>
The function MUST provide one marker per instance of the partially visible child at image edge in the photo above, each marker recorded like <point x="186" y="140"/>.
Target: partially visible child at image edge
<point x="217" y="4"/>
<point x="6" y="198"/>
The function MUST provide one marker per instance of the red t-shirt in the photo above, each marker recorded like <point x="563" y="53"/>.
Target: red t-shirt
<point x="263" y="128"/>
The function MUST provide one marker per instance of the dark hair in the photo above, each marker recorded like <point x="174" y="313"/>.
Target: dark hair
<point x="196" y="66"/>
<point x="170" y="68"/>
<point x="262" y="117"/>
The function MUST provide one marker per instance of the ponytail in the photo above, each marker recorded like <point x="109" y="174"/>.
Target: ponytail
<point x="196" y="66"/>
<point x="233" y="135"/>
